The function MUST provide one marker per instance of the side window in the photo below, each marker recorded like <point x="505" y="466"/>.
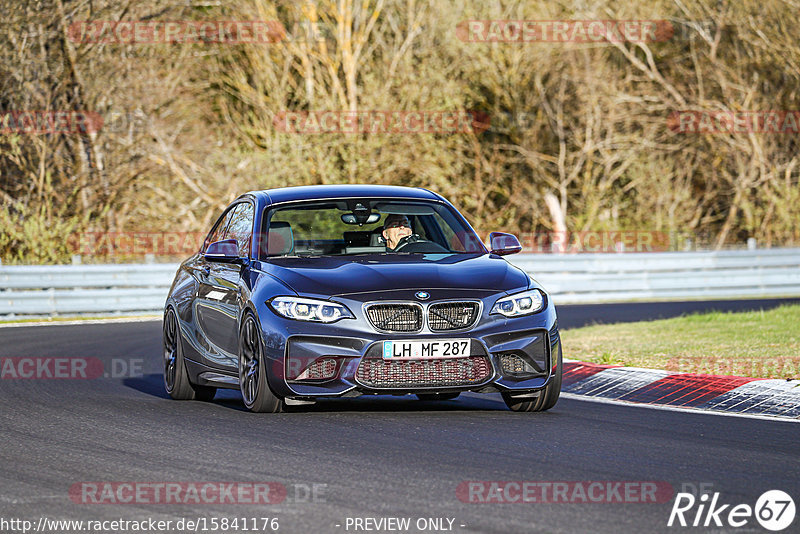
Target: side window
<point x="218" y="232"/>
<point x="418" y="227"/>
<point x="429" y="227"/>
<point x="241" y="227"/>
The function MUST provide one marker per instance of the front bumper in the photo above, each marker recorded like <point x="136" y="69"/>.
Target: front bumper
<point x="350" y="351"/>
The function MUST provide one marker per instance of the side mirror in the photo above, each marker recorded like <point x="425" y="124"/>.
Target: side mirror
<point x="503" y="244"/>
<point x="226" y="251"/>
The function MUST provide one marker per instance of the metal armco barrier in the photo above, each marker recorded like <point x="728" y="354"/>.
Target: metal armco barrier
<point x="579" y="278"/>
<point x="84" y="289"/>
<point x="570" y="278"/>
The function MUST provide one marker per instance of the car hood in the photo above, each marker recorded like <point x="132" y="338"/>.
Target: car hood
<point x="336" y="275"/>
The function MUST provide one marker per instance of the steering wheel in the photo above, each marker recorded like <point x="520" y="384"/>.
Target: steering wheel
<point x="407" y="240"/>
<point x="415" y="244"/>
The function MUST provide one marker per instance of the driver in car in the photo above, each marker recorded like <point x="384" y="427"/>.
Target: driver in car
<point x="395" y="228"/>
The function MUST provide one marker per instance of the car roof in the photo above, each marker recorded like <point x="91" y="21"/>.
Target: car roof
<point x="320" y="192"/>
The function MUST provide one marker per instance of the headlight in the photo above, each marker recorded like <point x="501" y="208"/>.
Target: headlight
<point x="523" y="303"/>
<point x="320" y="311"/>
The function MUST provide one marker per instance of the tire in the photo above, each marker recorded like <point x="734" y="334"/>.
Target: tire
<point x="437" y="396"/>
<point x="176" y="379"/>
<point x="256" y="394"/>
<point x="548" y="397"/>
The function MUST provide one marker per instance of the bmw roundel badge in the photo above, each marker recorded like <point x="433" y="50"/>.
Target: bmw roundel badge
<point x="422" y="295"/>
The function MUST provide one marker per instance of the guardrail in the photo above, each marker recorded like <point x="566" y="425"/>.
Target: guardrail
<point x="578" y="278"/>
<point x="582" y="278"/>
<point x="84" y="289"/>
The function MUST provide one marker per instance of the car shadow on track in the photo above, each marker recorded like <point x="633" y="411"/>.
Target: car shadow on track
<point x="153" y="384"/>
<point x="386" y="403"/>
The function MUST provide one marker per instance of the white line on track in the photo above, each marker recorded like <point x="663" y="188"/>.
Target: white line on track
<point x="80" y="322"/>
<point x="667" y="407"/>
<point x="573" y="396"/>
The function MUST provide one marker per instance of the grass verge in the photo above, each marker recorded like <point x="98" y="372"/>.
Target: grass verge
<point x="762" y="344"/>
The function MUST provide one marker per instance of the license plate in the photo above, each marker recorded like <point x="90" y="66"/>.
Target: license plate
<point x="426" y="350"/>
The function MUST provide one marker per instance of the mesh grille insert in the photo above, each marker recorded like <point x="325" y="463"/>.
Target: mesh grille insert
<point x="321" y="369"/>
<point x="388" y="374"/>
<point x="395" y="317"/>
<point x="452" y="315"/>
<point x="511" y="363"/>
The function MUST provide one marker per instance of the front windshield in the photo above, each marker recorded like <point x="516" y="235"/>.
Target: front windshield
<point x="366" y="226"/>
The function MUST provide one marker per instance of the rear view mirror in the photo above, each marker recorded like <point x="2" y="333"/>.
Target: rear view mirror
<point x="226" y="250"/>
<point x="350" y="218"/>
<point x="503" y="244"/>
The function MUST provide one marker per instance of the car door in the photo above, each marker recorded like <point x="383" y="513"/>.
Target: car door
<point x="228" y="278"/>
<point x="217" y="303"/>
<point x="197" y="346"/>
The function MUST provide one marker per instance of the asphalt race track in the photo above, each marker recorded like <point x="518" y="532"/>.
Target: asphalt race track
<point x="372" y="457"/>
<point x="576" y="315"/>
